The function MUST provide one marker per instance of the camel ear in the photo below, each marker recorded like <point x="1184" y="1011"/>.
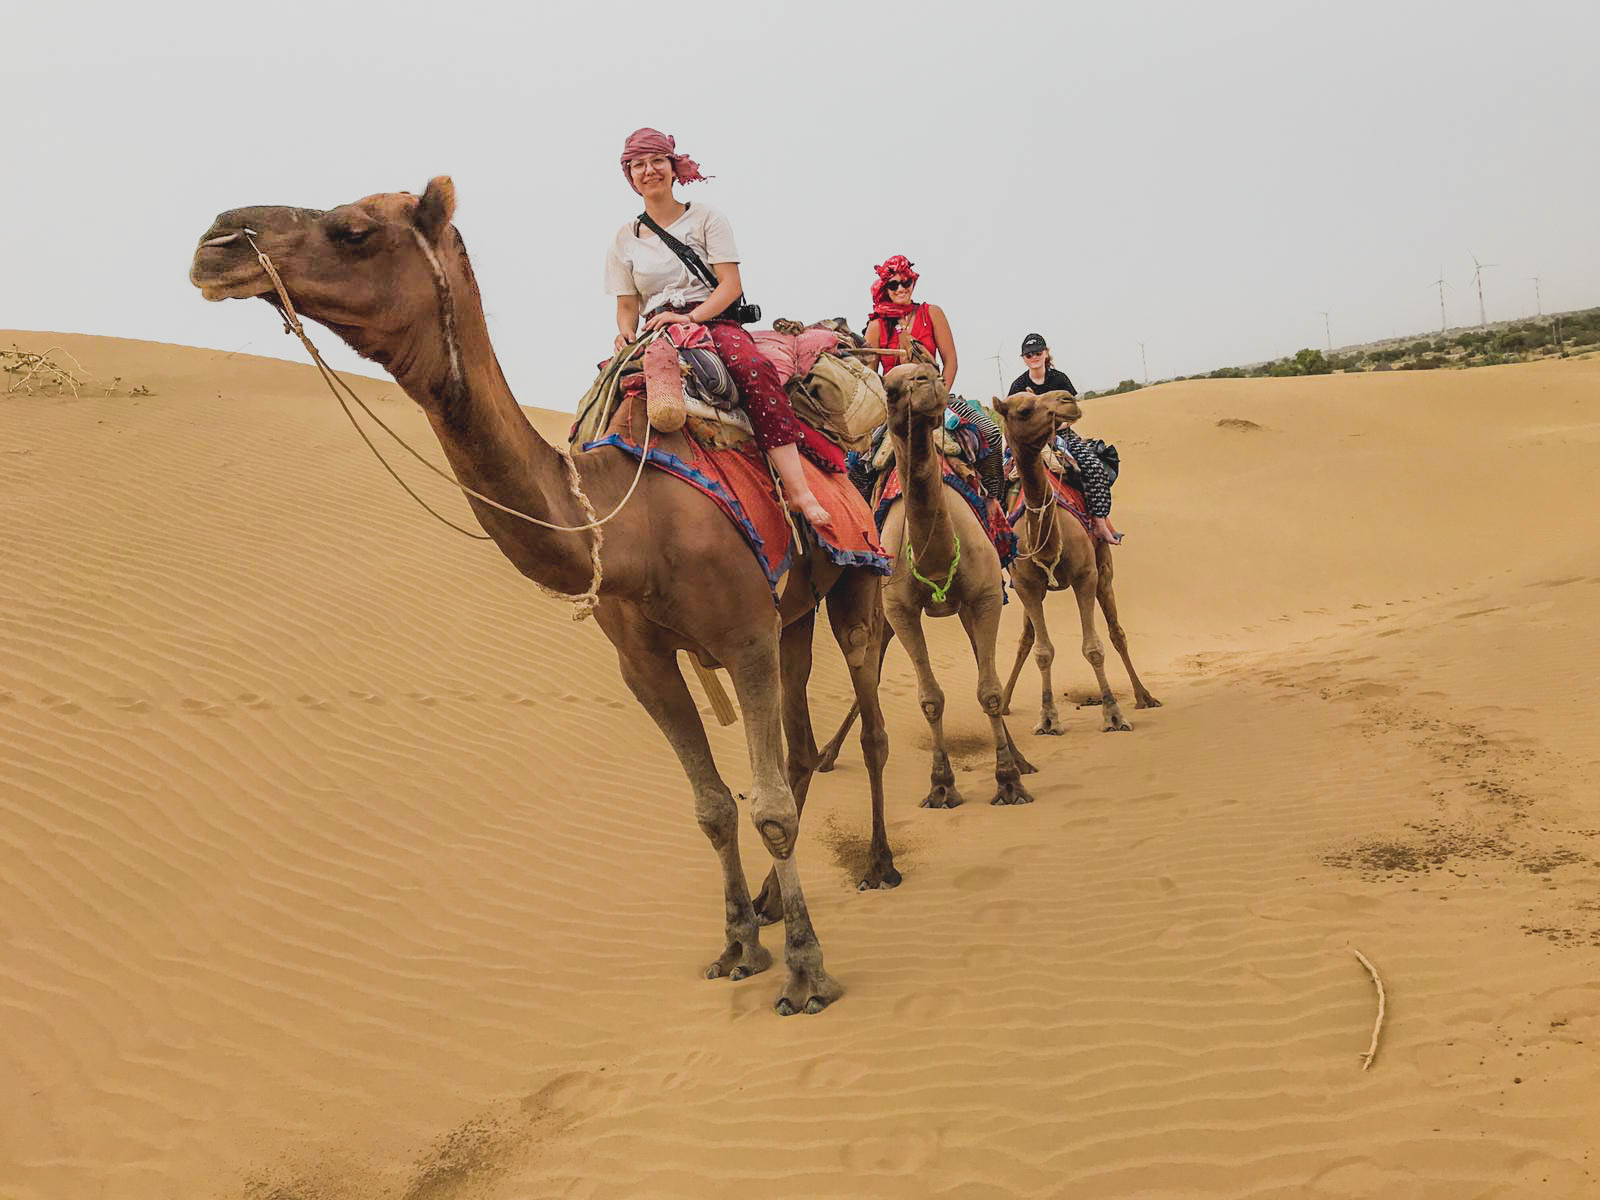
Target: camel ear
<point x="1002" y="405"/>
<point x="436" y="208"/>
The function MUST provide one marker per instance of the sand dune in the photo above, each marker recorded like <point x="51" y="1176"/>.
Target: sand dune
<point x="339" y="864"/>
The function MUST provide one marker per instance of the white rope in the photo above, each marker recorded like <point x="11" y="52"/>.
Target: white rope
<point x="584" y="601"/>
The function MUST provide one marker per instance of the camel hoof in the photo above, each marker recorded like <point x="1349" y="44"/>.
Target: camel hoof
<point x="884" y="878"/>
<point x="828" y="761"/>
<point x="738" y="962"/>
<point x="1147" y="702"/>
<point x="1119" y="725"/>
<point x="783" y="1008"/>
<point x="1049" y="729"/>
<point x="943" y="795"/>
<point x="1012" y="793"/>
<point x="769" y="904"/>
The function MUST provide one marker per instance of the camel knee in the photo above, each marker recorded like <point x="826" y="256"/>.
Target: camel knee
<point x="777" y="820"/>
<point x="874" y="746"/>
<point x="990" y="700"/>
<point x="1044" y="654"/>
<point x="717" y="815"/>
<point x="933" y="705"/>
<point x="1094" y="651"/>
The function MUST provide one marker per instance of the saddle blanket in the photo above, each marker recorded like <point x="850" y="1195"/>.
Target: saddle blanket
<point x="738" y="480"/>
<point x="1067" y="497"/>
<point x="988" y="510"/>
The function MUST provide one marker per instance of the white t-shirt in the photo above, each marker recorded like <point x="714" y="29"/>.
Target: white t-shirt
<point x="643" y="266"/>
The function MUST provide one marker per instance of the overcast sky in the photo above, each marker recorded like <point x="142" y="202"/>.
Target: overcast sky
<point x="1202" y="178"/>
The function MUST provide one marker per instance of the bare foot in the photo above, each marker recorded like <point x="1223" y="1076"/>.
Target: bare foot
<point x="1105" y="532"/>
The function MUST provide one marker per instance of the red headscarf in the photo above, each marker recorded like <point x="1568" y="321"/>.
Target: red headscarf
<point x="644" y="142"/>
<point x="898" y="267"/>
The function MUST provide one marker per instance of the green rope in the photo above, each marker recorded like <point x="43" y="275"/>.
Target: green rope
<point x="940" y="590"/>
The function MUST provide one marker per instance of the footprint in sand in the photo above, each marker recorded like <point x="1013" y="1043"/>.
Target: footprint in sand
<point x="926" y="1006"/>
<point x="981" y="879"/>
<point x="423" y="698"/>
<point x="831" y="1074"/>
<point x="575" y="1096"/>
<point x="315" y="703"/>
<point x="253" y="700"/>
<point x="365" y="697"/>
<point x="203" y="708"/>
<point x="131" y="704"/>
<point x="1167" y="886"/>
<point x="8" y="697"/>
<point x="899" y="1151"/>
<point x="60" y="704"/>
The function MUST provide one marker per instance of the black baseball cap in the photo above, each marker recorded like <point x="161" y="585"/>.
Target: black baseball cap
<point x="1033" y="343"/>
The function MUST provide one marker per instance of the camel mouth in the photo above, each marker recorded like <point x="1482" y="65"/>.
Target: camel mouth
<point x="225" y="269"/>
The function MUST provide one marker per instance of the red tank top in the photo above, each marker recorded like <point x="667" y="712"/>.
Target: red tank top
<point x="921" y="322"/>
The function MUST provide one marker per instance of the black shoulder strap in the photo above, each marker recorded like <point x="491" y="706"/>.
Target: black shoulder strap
<point x="686" y="255"/>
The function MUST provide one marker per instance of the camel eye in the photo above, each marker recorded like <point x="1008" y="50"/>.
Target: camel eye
<point x="346" y="236"/>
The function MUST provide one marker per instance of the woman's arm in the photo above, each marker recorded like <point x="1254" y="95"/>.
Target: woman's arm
<point x="728" y="289"/>
<point x="945" y="340"/>
<point x="874" y="338"/>
<point x="627" y="321"/>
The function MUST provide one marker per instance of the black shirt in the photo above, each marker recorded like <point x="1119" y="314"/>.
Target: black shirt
<point x="1054" y="381"/>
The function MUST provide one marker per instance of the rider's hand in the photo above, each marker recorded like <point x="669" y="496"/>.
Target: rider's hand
<point x="621" y="344"/>
<point x="667" y="318"/>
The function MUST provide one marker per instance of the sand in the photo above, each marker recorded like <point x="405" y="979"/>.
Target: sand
<point x="338" y="863"/>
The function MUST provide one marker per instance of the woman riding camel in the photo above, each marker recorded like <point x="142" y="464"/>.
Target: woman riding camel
<point x="1043" y="376"/>
<point x="648" y="278"/>
<point x="897" y="319"/>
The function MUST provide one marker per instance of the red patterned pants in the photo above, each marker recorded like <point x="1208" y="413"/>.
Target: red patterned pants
<point x="770" y="413"/>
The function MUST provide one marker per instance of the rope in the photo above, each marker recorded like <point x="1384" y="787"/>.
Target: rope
<point x="584" y="602"/>
<point x="1041" y="536"/>
<point x="940" y="591"/>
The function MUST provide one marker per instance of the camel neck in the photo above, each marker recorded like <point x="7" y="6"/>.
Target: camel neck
<point x="1031" y="470"/>
<point x="928" y="529"/>
<point x="490" y="444"/>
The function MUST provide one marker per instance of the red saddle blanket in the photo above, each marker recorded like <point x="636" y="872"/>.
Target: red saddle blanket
<point x="1067" y="497"/>
<point x="987" y="509"/>
<point x="738" y="480"/>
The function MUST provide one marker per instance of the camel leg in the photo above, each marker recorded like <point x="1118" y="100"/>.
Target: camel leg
<point x="756" y="680"/>
<point x="1108" y="605"/>
<point x="1024" y="644"/>
<point x="1085" y="588"/>
<point x="982" y="623"/>
<point x="1032" y="595"/>
<point x="794" y="664"/>
<point x="855" y="610"/>
<point x="908" y="627"/>
<point x="830" y="752"/>
<point x="654" y="678"/>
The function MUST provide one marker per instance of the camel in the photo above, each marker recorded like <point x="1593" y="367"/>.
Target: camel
<point x="390" y="276"/>
<point x="945" y="565"/>
<point x="1054" y="552"/>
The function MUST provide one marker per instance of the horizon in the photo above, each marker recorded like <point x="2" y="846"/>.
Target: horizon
<point x="1206" y="183"/>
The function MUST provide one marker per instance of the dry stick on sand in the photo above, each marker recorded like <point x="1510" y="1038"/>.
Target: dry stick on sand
<point x="1372" y="1050"/>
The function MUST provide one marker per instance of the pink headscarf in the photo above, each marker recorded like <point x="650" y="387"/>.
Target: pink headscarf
<point x="899" y="266"/>
<point x="644" y="142"/>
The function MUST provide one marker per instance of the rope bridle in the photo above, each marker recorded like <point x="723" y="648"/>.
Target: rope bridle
<point x="1041" y="534"/>
<point x="584" y="602"/>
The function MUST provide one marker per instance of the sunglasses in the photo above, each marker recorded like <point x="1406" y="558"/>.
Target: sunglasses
<point x="895" y="285"/>
<point x="1035" y="354"/>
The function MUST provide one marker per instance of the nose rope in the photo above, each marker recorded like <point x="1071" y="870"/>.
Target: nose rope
<point x="584" y="601"/>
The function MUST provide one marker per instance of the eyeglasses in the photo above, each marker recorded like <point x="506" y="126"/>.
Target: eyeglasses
<point x="895" y="285"/>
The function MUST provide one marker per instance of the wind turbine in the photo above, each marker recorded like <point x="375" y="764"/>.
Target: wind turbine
<point x="1538" y="300"/>
<point x="999" y="379"/>
<point x="1440" y="282"/>
<point x="1327" y="330"/>
<point x="1477" y="278"/>
<point x="1143" y="365"/>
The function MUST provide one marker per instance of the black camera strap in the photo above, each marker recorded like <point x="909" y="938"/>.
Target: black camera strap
<point x="686" y="254"/>
<point x="697" y="265"/>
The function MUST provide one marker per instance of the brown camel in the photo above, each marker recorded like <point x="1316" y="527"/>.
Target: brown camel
<point x="1055" y="552"/>
<point x="945" y="565"/>
<point x="390" y="276"/>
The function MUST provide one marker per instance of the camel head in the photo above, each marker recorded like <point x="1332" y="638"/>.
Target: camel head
<point x="915" y="390"/>
<point x="371" y="271"/>
<point x="1031" y="420"/>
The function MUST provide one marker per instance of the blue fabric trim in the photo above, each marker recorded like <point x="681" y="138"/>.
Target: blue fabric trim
<point x="672" y="464"/>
